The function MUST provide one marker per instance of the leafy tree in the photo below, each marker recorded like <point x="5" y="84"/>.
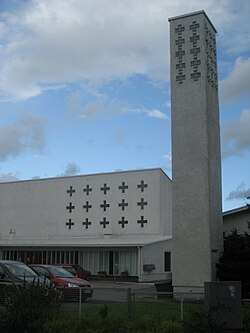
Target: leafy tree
<point x="234" y="264"/>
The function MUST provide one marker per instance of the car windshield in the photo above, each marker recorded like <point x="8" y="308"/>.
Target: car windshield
<point x="61" y="272"/>
<point x="70" y="269"/>
<point x="20" y="270"/>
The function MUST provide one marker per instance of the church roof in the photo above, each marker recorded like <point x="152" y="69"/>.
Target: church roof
<point x="105" y="241"/>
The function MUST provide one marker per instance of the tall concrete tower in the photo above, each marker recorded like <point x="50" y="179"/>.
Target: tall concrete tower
<point x="197" y="210"/>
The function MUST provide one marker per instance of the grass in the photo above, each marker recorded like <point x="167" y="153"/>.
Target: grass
<point x="163" y="310"/>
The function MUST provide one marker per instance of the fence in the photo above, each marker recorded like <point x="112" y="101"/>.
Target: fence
<point x="135" y="303"/>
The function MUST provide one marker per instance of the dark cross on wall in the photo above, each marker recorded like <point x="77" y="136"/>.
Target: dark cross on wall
<point x="142" y="203"/>
<point x="105" y="205"/>
<point x="142" y="186"/>
<point x="87" y="190"/>
<point x="87" y="206"/>
<point x="71" y="191"/>
<point x="123" y="222"/>
<point x="105" y="188"/>
<point x="142" y="221"/>
<point x="69" y="224"/>
<point x="86" y="223"/>
<point x="104" y="222"/>
<point x="123" y="187"/>
<point x="70" y="207"/>
<point x="123" y="204"/>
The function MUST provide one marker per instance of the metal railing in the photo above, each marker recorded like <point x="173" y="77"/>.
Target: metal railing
<point x="134" y="304"/>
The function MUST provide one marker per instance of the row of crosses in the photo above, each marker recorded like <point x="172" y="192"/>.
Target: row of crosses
<point x="105" y="222"/>
<point x="105" y="188"/>
<point x="106" y="205"/>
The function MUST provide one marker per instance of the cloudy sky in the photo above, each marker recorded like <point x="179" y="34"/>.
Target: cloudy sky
<point x="84" y="87"/>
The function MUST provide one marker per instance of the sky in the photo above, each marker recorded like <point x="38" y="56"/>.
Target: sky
<point x="84" y="88"/>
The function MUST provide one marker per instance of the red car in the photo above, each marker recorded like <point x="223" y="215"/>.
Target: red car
<point x="71" y="286"/>
<point x="76" y="270"/>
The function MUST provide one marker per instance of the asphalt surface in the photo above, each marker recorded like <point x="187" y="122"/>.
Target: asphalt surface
<point x="115" y="291"/>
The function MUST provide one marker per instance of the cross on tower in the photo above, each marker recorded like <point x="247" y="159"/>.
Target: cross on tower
<point x="86" y="223"/>
<point x="104" y="222"/>
<point x="123" y="204"/>
<point x="142" y="221"/>
<point x="87" y="206"/>
<point x="105" y="188"/>
<point x="142" y="186"/>
<point x="123" y="222"/>
<point x="70" y="207"/>
<point x="69" y="224"/>
<point x="87" y="189"/>
<point x="71" y="191"/>
<point x="142" y="203"/>
<point x="104" y="205"/>
<point x="123" y="187"/>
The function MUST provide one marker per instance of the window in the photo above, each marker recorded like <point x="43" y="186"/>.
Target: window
<point x="167" y="261"/>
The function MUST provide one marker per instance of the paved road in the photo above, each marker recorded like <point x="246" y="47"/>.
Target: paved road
<point x="115" y="291"/>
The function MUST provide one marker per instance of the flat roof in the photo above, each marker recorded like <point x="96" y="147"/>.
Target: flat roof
<point x="105" y="241"/>
<point x="86" y="175"/>
<point x="237" y="210"/>
<point x="192" y="14"/>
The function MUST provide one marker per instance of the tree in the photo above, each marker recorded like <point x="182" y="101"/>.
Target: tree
<point x="234" y="264"/>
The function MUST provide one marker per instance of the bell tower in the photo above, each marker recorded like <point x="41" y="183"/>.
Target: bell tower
<point x="196" y="157"/>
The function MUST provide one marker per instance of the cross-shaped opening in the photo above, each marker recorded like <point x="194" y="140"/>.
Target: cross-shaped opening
<point x="86" y="223"/>
<point x="105" y="205"/>
<point x="104" y="222"/>
<point x="88" y="189"/>
<point x="123" y="187"/>
<point x="69" y="224"/>
<point x="142" y="221"/>
<point x="142" y="203"/>
<point x="70" y="207"/>
<point x="123" y="222"/>
<point x="123" y="204"/>
<point x="142" y="186"/>
<point x="105" y="188"/>
<point x="87" y="206"/>
<point x="71" y="191"/>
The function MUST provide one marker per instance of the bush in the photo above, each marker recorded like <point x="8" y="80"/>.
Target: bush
<point x="204" y="322"/>
<point x="28" y="307"/>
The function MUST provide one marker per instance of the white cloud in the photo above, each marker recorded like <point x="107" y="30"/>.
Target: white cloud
<point x="157" y="114"/>
<point x="236" y="136"/>
<point x="26" y="134"/>
<point x="9" y="177"/>
<point x="100" y="105"/>
<point x="237" y="84"/>
<point x="63" y="41"/>
<point x="241" y="192"/>
<point x="71" y="169"/>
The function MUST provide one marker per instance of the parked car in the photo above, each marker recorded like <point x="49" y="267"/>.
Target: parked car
<point x="17" y="272"/>
<point x="76" y="270"/>
<point x="71" y="286"/>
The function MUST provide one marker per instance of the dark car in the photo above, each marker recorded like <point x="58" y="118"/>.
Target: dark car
<point x="17" y="272"/>
<point x="76" y="270"/>
<point x="71" y="286"/>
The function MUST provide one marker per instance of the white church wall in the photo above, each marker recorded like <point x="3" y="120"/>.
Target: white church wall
<point x="154" y="254"/>
<point x="45" y="208"/>
<point x="238" y="218"/>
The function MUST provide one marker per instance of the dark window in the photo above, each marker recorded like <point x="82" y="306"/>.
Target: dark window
<point x="167" y="261"/>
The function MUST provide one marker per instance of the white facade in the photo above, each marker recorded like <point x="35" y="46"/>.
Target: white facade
<point x="196" y="159"/>
<point x="238" y="218"/>
<point x="105" y="221"/>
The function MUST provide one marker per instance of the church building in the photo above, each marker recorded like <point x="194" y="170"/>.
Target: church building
<point x="117" y="224"/>
<point x="120" y="223"/>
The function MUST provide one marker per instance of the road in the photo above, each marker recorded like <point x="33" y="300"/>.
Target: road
<point x="115" y="291"/>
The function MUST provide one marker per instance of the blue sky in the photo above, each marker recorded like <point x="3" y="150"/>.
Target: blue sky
<point x="84" y="87"/>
